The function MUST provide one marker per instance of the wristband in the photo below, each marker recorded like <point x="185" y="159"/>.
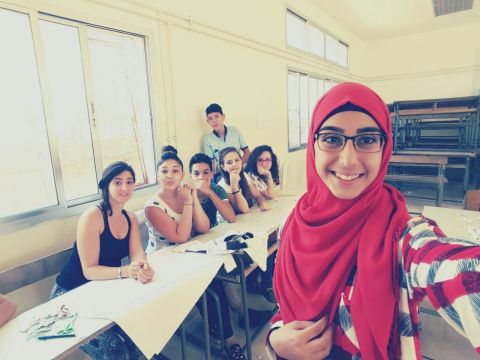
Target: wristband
<point x="233" y="193"/>
<point x="188" y="204"/>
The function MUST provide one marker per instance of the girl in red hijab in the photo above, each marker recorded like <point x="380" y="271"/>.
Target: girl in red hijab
<point x="345" y="268"/>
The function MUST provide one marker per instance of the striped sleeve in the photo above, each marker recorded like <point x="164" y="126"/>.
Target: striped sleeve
<point x="446" y="271"/>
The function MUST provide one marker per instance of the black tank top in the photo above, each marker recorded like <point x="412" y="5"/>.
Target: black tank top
<point x="112" y="251"/>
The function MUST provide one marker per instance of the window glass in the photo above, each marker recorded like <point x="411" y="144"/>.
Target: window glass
<point x="316" y="43"/>
<point x="69" y="108"/>
<point x="296" y="31"/>
<point x="27" y="182"/>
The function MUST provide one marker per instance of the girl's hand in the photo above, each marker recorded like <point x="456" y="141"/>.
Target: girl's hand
<point x="146" y="272"/>
<point x="300" y="340"/>
<point x="185" y="194"/>
<point x="262" y="171"/>
<point x="264" y="206"/>
<point x="234" y="180"/>
<point x="203" y="186"/>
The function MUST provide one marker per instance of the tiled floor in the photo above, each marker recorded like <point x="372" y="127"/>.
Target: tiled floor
<point x="439" y="340"/>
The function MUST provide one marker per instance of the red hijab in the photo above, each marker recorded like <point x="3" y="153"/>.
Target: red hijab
<point x="324" y="237"/>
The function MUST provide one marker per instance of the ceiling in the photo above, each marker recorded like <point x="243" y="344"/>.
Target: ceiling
<point x="381" y="19"/>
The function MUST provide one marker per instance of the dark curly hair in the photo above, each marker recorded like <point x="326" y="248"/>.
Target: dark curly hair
<point x="110" y="172"/>
<point x="251" y="166"/>
<point x="243" y="181"/>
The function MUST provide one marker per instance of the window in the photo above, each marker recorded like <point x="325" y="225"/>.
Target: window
<point x="74" y="99"/>
<point x="303" y="35"/>
<point x="303" y="93"/>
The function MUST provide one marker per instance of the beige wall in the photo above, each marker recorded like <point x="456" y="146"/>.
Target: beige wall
<point x="234" y="53"/>
<point x="229" y="52"/>
<point x="436" y="64"/>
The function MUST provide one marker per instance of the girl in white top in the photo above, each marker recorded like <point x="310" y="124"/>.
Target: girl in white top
<point x="174" y="210"/>
<point x="262" y="167"/>
<point x="237" y="184"/>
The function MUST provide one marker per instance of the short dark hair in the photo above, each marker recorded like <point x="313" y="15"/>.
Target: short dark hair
<point x="200" y="158"/>
<point x="109" y="173"/>
<point x="213" y="108"/>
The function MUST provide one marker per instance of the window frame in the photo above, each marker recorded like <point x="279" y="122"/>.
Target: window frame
<point x="63" y="208"/>
<point x="325" y="33"/>
<point x="309" y="76"/>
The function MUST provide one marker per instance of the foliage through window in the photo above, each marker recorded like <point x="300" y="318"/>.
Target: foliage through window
<point x="75" y="98"/>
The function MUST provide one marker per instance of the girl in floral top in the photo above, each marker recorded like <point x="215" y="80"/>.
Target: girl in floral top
<point x="353" y="266"/>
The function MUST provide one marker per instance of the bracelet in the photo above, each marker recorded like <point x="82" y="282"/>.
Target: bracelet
<point x="188" y="204"/>
<point x="120" y="272"/>
<point x="233" y="193"/>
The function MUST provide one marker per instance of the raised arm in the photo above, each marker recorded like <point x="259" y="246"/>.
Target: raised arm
<point x="176" y="232"/>
<point x="236" y="198"/>
<point x="447" y="272"/>
<point x="201" y="223"/>
<point x="258" y="197"/>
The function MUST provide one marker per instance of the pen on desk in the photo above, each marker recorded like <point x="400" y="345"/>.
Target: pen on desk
<point x="55" y="336"/>
<point x="197" y="252"/>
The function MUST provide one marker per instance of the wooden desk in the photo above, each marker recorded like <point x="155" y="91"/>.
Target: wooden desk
<point x="143" y="311"/>
<point x="415" y="160"/>
<point x="466" y="155"/>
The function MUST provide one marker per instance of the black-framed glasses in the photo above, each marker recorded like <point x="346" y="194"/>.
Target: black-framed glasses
<point x="367" y="143"/>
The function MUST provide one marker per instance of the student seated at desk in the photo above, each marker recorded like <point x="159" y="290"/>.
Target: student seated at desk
<point x="262" y="167"/>
<point x="172" y="215"/>
<point x="352" y="262"/>
<point x="212" y="197"/>
<point x="106" y="234"/>
<point x="7" y="309"/>
<point x="237" y="184"/>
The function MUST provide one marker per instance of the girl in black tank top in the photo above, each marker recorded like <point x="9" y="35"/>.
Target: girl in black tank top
<point x="107" y="233"/>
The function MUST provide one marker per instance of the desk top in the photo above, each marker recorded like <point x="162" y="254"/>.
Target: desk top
<point x="457" y="223"/>
<point x="143" y="311"/>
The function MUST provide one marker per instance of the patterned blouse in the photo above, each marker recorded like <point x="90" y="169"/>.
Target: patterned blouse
<point x="156" y="240"/>
<point x="446" y="270"/>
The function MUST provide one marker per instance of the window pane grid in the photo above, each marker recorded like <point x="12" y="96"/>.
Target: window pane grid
<point x="52" y="126"/>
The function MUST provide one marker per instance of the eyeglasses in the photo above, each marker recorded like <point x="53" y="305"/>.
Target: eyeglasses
<point x="367" y="143"/>
<point x="260" y="160"/>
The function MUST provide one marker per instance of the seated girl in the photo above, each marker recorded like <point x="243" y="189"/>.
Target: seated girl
<point x="172" y="214"/>
<point x="106" y="234"/>
<point x="237" y="184"/>
<point x="262" y="167"/>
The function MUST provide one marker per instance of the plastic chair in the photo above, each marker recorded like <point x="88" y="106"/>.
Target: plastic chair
<point x="294" y="177"/>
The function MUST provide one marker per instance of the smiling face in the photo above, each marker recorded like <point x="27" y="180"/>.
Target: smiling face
<point x="232" y="163"/>
<point x="265" y="160"/>
<point x="347" y="173"/>
<point x="170" y="174"/>
<point x="120" y="189"/>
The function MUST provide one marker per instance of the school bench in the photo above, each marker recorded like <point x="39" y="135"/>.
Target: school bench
<point x="410" y="162"/>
